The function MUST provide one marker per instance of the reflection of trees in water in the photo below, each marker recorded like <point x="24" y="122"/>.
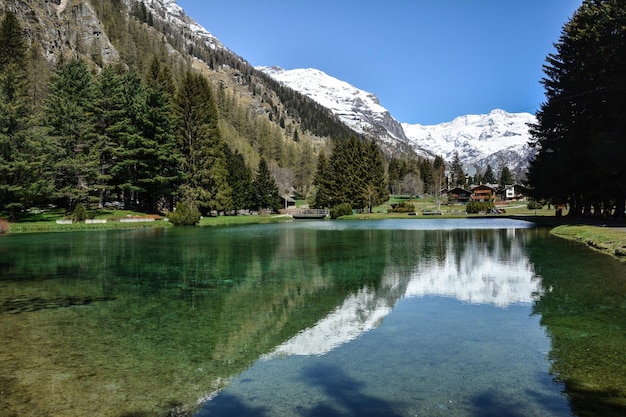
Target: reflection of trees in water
<point x="582" y="310"/>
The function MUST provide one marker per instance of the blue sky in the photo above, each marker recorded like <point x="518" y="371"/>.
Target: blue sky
<point x="428" y="61"/>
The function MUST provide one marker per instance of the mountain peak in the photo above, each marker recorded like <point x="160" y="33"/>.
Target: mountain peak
<point x="358" y="109"/>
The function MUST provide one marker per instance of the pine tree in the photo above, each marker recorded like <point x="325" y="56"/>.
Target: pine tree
<point x="158" y="128"/>
<point x="266" y="195"/>
<point x="323" y="183"/>
<point x="69" y="116"/>
<point x="506" y="178"/>
<point x="456" y="172"/>
<point x="579" y="130"/>
<point x="489" y="177"/>
<point x="201" y="147"/>
<point x="240" y="181"/>
<point x="24" y="168"/>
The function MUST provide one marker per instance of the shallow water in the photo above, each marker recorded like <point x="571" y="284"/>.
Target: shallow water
<point x="342" y="318"/>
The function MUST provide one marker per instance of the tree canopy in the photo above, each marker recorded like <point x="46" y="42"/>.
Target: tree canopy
<point x="579" y="134"/>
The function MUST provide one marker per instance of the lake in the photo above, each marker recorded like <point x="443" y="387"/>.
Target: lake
<point x="442" y="317"/>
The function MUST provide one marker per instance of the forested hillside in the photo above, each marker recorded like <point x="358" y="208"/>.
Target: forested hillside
<point x="109" y="101"/>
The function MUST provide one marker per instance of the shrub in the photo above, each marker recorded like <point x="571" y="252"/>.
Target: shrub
<point x="186" y="214"/>
<point x="534" y="205"/>
<point x="343" y="209"/>
<point x="80" y="213"/>
<point x="478" y="206"/>
<point x="403" y="207"/>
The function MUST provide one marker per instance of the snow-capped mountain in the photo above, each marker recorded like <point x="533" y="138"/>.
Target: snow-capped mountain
<point x="496" y="138"/>
<point x="358" y="109"/>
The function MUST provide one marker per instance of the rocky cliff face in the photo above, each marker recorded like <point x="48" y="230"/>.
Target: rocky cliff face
<point x="60" y="28"/>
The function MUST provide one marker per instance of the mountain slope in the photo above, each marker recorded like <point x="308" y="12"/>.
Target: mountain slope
<point x="496" y="138"/>
<point x="358" y="109"/>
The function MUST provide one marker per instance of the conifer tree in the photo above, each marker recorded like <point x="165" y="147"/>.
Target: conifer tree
<point x="240" y="180"/>
<point x="201" y="147"/>
<point x="579" y="131"/>
<point x="24" y="168"/>
<point x="323" y="183"/>
<point x="158" y="128"/>
<point x="506" y="178"/>
<point x="266" y="195"/>
<point x="489" y="177"/>
<point x="457" y="173"/>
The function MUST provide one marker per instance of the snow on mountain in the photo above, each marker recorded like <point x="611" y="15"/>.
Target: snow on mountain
<point x="358" y="109"/>
<point x="496" y="138"/>
<point x="171" y="12"/>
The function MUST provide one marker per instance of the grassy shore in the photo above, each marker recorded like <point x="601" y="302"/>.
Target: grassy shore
<point x="606" y="239"/>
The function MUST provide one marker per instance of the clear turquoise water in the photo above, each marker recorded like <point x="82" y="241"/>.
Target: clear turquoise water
<point x="440" y="317"/>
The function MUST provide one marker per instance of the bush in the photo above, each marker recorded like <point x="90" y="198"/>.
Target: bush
<point x="343" y="209"/>
<point x="185" y="215"/>
<point x="80" y="213"/>
<point x="474" y="207"/>
<point x="534" y="205"/>
<point x="403" y="207"/>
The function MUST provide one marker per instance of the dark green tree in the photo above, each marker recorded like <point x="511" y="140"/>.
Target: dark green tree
<point x="200" y="146"/>
<point x="266" y="194"/>
<point x="505" y="178"/>
<point x="578" y="136"/>
<point x="489" y="177"/>
<point x="240" y="181"/>
<point x="68" y="113"/>
<point x="323" y="183"/>
<point x="158" y="128"/>
<point x="457" y="174"/>
<point x="24" y="149"/>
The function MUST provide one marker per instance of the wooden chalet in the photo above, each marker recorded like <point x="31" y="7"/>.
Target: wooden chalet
<point x="483" y="193"/>
<point x="459" y="195"/>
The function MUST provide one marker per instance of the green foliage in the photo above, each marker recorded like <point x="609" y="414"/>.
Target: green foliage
<point x="489" y="177"/>
<point x="80" y="213"/>
<point x="474" y="207"/>
<point x="403" y="207"/>
<point x="506" y="178"/>
<point x="266" y="195"/>
<point x="186" y="214"/>
<point x="343" y="209"/>
<point x="534" y="205"/>
<point x="353" y="174"/>
<point x="579" y="131"/>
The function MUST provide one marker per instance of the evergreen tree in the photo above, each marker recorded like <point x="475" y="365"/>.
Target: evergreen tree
<point x="266" y="195"/>
<point x="158" y="128"/>
<point x="456" y="172"/>
<point x="304" y="170"/>
<point x="506" y="178"/>
<point x="323" y="183"/>
<point x="489" y="177"/>
<point x="376" y="188"/>
<point x="69" y="116"/>
<point x="24" y="173"/>
<point x="240" y="181"/>
<point x="579" y="130"/>
<point x="201" y="147"/>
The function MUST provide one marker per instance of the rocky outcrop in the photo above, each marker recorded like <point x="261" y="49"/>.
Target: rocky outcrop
<point x="62" y="28"/>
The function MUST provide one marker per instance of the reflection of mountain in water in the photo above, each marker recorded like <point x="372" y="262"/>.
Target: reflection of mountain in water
<point x="483" y="274"/>
<point x="490" y="268"/>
